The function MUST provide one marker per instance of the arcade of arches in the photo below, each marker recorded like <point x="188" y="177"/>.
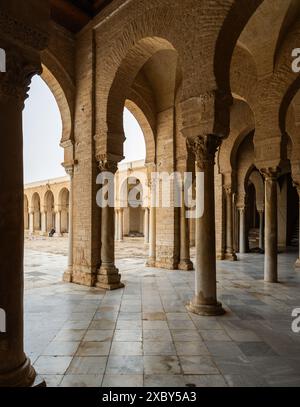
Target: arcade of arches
<point x="46" y="207"/>
<point x="219" y="98"/>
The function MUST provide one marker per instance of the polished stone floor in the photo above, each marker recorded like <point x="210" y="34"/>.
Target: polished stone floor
<point x="143" y="335"/>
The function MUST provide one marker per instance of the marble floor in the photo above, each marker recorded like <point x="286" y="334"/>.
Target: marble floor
<point x="144" y="336"/>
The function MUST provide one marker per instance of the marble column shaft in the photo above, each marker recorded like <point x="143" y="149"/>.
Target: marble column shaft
<point x="67" y="277"/>
<point x="185" y="261"/>
<point x="146" y="225"/>
<point x="205" y="300"/>
<point x="242" y="233"/>
<point x="108" y="275"/>
<point x="121" y="225"/>
<point x="15" y="367"/>
<point x="271" y="226"/>
<point x="230" y="254"/>
<point x="31" y="222"/>
<point x="261" y="229"/>
<point x="152" y="227"/>
<point x="58" y="223"/>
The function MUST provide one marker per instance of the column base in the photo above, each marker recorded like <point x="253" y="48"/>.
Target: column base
<point x="109" y="278"/>
<point x="84" y="275"/>
<point x="230" y="256"/>
<point x="220" y="256"/>
<point x="271" y="280"/>
<point x="205" y="309"/>
<point x="185" y="265"/>
<point x="24" y="376"/>
<point x="68" y="275"/>
<point x="151" y="262"/>
<point x="297" y="264"/>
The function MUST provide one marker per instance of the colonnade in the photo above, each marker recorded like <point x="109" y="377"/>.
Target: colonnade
<point x="194" y="116"/>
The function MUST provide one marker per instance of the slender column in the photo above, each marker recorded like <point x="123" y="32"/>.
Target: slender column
<point x="261" y="229"/>
<point x="205" y="300"/>
<point x="271" y="227"/>
<point x="31" y="223"/>
<point x="15" y="367"/>
<point x="117" y="224"/>
<point x="120" y="225"/>
<point x="68" y="274"/>
<point x="44" y="223"/>
<point x="242" y="234"/>
<point x="108" y="275"/>
<point x="152" y="233"/>
<point x="58" y="223"/>
<point x="185" y="261"/>
<point x="230" y="254"/>
<point x="234" y="223"/>
<point x="192" y="233"/>
<point x="146" y="225"/>
<point x="26" y="221"/>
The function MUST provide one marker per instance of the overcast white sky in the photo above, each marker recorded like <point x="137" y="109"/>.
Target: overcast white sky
<point x="42" y="133"/>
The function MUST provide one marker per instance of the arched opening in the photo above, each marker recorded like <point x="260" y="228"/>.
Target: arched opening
<point x="42" y="135"/>
<point x="132" y="196"/>
<point x="252" y="219"/>
<point x="36" y="211"/>
<point x="146" y="82"/>
<point x="47" y="122"/>
<point x="134" y="145"/>
<point x="49" y="211"/>
<point x="64" y="208"/>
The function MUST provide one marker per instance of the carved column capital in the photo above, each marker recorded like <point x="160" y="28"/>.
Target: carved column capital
<point x="270" y="173"/>
<point x="15" y="82"/>
<point x="204" y="148"/>
<point x="70" y="167"/>
<point x="107" y="165"/>
<point x="228" y="189"/>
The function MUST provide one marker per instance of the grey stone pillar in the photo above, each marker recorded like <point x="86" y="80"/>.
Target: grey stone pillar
<point x="229" y="253"/>
<point x="242" y="233"/>
<point x="261" y="229"/>
<point x="205" y="300"/>
<point x="58" y="223"/>
<point x="15" y="367"/>
<point x="108" y="275"/>
<point x="120" y="225"/>
<point x="68" y="274"/>
<point x="271" y="228"/>
<point x="31" y="223"/>
<point x="116" y="224"/>
<point x="185" y="261"/>
<point x="146" y="225"/>
<point x="152" y="232"/>
<point x="44" y="223"/>
<point x="152" y="227"/>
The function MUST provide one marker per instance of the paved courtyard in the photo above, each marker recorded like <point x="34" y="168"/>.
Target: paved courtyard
<point x="143" y="335"/>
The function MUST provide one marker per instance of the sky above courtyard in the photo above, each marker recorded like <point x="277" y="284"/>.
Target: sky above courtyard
<point x="43" y="130"/>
